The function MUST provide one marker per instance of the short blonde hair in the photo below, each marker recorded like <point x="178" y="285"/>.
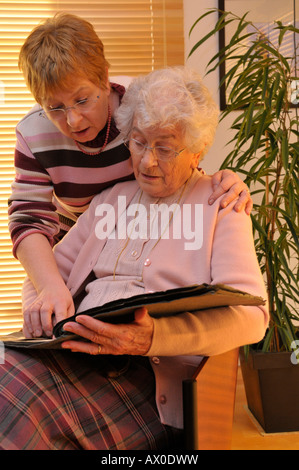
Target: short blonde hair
<point x="173" y="97"/>
<point x="59" y="48"/>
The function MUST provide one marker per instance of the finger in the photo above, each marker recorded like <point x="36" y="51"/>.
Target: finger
<point x="225" y="178"/>
<point x="228" y="192"/>
<point x="227" y="188"/>
<point x="96" y="329"/>
<point x="94" y="338"/>
<point x="48" y="313"/>
<point x="47" y="323"/>
<point x="83" y="347"/>
<point x="142" y="317"/>
<point x="35" y="319"/>
<point x="27" y="326"/>
<point x="238" y="190"/>
<point x="89" y="332"/>
<point x="219" y="191"/>
<point x="216" y="179"/>
<point x="62" y="312"/>
<point x="249" y="206"/>
<point x="243" y="200"/>
<point x="26" y="332"/>
<point x="117" y="337"/>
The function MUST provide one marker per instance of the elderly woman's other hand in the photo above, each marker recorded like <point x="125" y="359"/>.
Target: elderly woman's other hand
<point x="133" y="338"/>
<point x="228" y="183"/>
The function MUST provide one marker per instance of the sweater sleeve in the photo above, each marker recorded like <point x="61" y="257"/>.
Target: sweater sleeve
<point x="68" y="249"/>
<point x="30" y="205"/>
<point x="65" y="252"/>
<point x="214" y="331"/>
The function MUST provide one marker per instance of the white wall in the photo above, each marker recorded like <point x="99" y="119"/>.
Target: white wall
<point x="199" y="60"/>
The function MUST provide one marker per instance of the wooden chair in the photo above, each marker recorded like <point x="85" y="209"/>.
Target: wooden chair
<point x="208" y="401"/>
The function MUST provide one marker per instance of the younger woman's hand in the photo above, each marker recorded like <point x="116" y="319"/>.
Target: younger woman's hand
<point x="228" y="183"/>
<point x="53" y="304"/>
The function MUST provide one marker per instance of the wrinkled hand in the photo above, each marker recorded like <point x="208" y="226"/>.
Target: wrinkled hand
<point x="52" y="305"/>
<point x="228" y="183"/>
<point x="134" y="338"/>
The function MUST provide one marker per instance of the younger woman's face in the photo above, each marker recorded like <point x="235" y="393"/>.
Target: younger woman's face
<point x="86" y="109"/>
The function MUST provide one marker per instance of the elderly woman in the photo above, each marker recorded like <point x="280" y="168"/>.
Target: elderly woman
<point x="68" y="400"/>
<point x="68" y="150"/>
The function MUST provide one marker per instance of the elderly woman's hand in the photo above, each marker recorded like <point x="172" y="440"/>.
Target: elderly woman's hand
<point x="133" y="338"/>
<point x="228" y="183"/>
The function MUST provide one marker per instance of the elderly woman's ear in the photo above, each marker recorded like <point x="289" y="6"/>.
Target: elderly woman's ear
<point x="195" y="160"/>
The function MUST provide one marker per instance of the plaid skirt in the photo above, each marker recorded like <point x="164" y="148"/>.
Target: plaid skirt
<point x="59" y="400"/>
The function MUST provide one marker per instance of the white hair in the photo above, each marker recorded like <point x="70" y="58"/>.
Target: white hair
<point x="174" y="98"/>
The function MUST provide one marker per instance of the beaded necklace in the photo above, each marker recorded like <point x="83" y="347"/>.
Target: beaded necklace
<point x="106" y="138"/>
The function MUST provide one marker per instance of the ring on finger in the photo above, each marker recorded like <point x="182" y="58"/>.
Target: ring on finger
<point x="99" y="349"/>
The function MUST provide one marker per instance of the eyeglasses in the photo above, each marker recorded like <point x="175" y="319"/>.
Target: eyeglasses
<point x="160" y="153"/>
<point x="82" y="106"/>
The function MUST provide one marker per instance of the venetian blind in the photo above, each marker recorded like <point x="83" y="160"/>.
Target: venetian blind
<point x="138" y="35"/>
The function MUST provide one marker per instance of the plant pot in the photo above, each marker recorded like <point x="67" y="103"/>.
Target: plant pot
<point x="272" y="390"/>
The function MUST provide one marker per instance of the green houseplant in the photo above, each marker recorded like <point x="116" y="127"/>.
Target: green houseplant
<point x="262" y="92"/>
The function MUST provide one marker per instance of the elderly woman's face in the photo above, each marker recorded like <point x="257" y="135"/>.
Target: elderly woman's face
<point x="160" y="178"/>
<point x="80" y="122"/>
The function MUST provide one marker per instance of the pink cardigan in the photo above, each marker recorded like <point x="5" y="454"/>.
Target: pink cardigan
<point x="226" y="256"/>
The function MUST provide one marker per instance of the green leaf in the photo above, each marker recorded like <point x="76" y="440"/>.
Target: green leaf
<point x="221" y="23"/>
<point x="280" y="101"/>
<point x="285" y="152"/>
<point x="265" y="82"/>
<point x="281" y="35"/>
<point x="200" y="42"/>
<point x="258" y="227"/>
<point x="260" y="130"/>
<point x="200" y="18"/>
<point x="268" y="339"/>
<point x="241" y="26"/>
<point x="286" y="267"/>
<point x="293" y="230"/>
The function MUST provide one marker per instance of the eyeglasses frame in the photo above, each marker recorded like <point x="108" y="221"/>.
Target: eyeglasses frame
<point x="44" y="113"/>
<point x="153" y="149"/>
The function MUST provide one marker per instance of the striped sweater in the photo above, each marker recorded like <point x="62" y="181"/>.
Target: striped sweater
<point x="55" y="181"/>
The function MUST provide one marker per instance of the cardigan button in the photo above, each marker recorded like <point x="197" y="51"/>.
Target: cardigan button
<point x="147" y="262"/>
<point x="155" y="360"/>
<point x="162" y="399"/>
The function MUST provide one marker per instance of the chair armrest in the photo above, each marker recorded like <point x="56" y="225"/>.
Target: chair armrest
<point x="208" y="402"/>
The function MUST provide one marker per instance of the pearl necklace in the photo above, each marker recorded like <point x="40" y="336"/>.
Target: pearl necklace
<point x="106" y="138"/>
